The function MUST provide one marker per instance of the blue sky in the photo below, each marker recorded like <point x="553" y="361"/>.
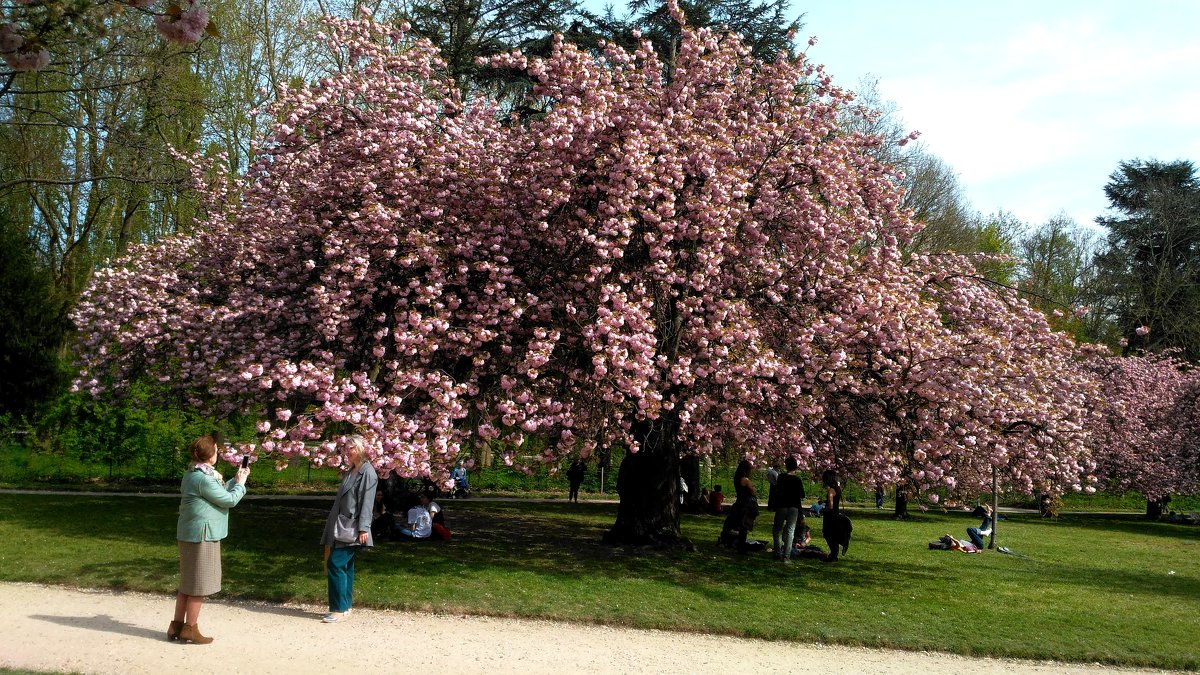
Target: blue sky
<point x="1032" y="103"/>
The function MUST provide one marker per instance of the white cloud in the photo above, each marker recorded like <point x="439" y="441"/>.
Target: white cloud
<point x="1035" y="108"/>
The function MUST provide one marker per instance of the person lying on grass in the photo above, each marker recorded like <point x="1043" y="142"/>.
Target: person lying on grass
<point x="949" y="543"/>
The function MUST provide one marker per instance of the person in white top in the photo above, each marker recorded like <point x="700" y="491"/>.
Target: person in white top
<point x="420" y="524"/>
<point x="435" y="512"/>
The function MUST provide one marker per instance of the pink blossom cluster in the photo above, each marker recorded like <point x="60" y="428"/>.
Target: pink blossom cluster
<point x="670" y="265"/>
<point x="183" y="22"/>
<point x="17" y="53"/>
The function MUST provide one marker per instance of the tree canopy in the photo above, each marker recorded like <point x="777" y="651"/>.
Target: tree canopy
<point x="676" y="265"/>
<point x="1152" y="262"/>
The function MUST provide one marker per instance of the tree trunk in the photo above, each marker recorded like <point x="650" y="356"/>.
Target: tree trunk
<point x="1155" y="507"/>
<point x="901" y="512"/>
<point x="689" y="470"/>
<point x="648" y="485"/>
<point x="995" y="511"/>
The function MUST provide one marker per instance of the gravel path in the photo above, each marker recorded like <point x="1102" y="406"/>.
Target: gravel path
<point x="50" y="628"/>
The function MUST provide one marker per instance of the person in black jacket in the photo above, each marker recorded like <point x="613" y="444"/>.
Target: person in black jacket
<point x="743" y="513"/>
<point x="575" y="474"/>
<point x="835" y="525"/>
<point x="788" y="500"/>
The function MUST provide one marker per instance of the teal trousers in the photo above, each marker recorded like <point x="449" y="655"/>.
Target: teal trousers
<point x="341" y="577"/>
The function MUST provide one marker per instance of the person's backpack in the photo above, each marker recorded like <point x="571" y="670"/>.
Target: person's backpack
<point x="847" y="528"/>
<point x="439" y="532"/>
<point x="837" y="528"/>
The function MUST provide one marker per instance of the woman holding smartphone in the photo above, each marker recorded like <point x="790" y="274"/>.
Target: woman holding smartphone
<point x="203" y="523"/>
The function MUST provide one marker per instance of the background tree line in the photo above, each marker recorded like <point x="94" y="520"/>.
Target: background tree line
<point x="88" y="168"/>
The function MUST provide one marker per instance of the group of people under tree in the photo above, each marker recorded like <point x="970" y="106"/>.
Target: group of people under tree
<point x="423" y="518"/>
<point x="362" y="513"/>
<point x="789" y="531"/>
<point x="712" y="503"/>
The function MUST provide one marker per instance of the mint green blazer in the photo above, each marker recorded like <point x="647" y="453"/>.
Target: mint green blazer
<point x="204" y="510"/>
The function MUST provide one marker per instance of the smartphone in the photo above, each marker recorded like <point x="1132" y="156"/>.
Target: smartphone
<point x="245" y="461"/>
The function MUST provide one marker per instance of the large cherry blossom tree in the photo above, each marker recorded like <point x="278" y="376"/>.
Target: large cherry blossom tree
<point x="1148" y="435"/>
<point x="947" y="383"/>
<point x="670" y="265"/>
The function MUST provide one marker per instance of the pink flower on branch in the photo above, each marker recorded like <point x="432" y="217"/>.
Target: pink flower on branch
<point x="184" y="21"/>
<point x="17" y="53"/>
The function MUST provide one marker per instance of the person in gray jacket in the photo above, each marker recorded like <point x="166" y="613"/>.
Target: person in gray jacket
<point x="348" y="526"/>
<point x="203" y="523"/>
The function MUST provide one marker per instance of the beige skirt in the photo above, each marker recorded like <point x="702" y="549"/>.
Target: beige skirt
<point x="199" y="567"/>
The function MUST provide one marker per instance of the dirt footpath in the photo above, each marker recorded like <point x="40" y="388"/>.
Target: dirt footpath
<point x="49" y="628"/>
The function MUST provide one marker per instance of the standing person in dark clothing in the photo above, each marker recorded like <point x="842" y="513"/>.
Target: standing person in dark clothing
<point x="835" y="526"/>
<point x="575" y="475"/>
<point x="789" y="501"/>
<point x="744" y="511"/>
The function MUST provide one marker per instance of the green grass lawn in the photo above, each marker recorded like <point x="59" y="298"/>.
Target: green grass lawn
<point x="1092" y="589"/>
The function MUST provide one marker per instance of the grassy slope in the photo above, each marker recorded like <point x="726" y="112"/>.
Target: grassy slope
<point x="1092" y="589"/>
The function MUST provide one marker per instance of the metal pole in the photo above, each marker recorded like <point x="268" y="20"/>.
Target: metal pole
<point x="995" y="510"/>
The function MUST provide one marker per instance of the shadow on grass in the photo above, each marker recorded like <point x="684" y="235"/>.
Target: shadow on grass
<point x="127" y="540"/>
<point x="1129" y="524"/>
<point x="274" y="554"/>
<point x="562" y="543"/>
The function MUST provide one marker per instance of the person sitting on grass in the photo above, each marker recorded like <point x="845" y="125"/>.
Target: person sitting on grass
<point x="716" y="501"/>
<point x="383" y="523"/>
<point x="420" y="523"/>
<point x="438" y="530"/>
<point x="802" y="546"/>
<point x="435" y="511"/>
<point x="985" y="528"/>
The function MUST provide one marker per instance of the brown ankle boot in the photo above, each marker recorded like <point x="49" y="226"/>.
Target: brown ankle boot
<point x="191" y="633"/>
<point x="173" y="630"/>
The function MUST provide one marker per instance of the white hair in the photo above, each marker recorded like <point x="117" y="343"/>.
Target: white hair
<point x="358" y="443"/>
